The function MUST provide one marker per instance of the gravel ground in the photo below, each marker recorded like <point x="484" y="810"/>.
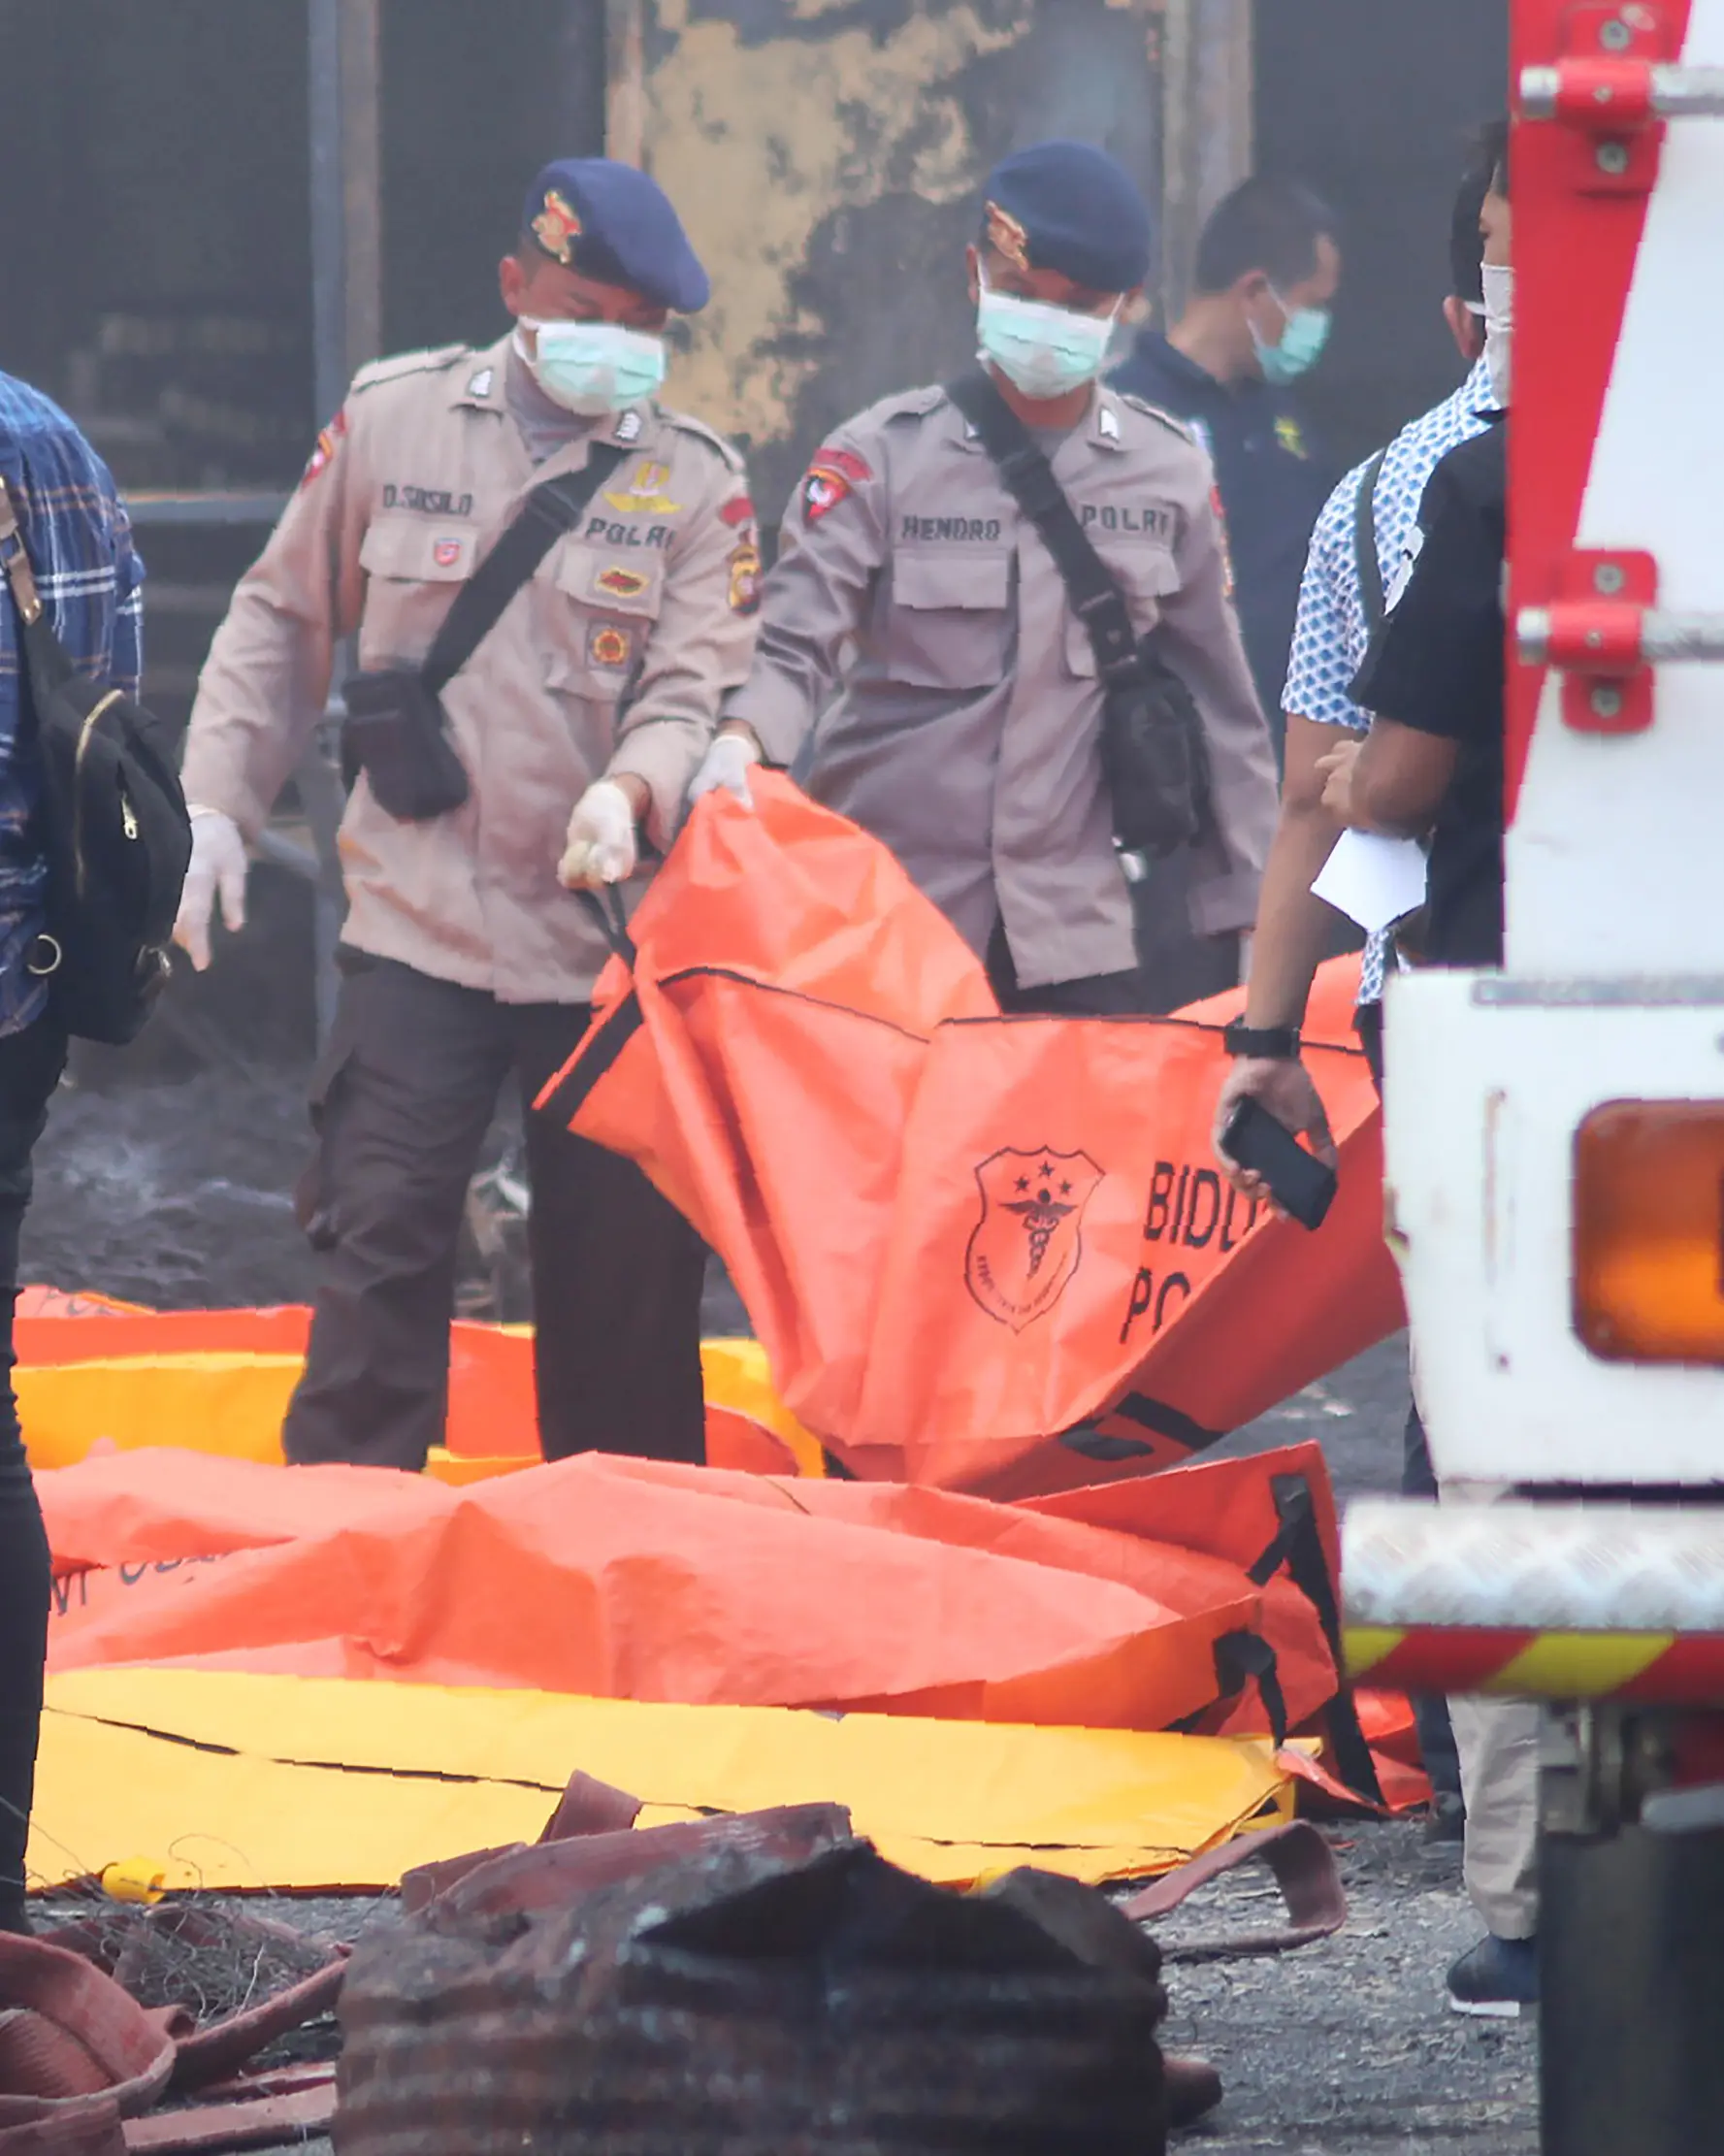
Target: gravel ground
<point x="1348" y="2048"/>
<point x="178" y="1193"/>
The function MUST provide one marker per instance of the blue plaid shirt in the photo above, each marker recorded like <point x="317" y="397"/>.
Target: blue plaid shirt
<point x="1333" y="633"/>
<point x="79" y="539"/>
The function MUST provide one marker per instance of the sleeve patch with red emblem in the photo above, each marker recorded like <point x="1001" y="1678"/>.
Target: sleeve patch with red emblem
<point x="737" y="512"/>
<point x="745" y="579"/>
<point x="833" y="477"/>
<point x="328" y="442"/>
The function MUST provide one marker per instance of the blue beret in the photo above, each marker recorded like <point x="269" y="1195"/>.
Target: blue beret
<point x="1070" y="208"/>
<point x="611" y="223"/>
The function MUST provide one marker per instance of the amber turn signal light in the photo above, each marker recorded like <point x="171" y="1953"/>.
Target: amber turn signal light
<point x="1650" y="1231"/>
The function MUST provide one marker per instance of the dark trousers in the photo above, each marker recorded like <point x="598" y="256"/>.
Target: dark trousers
<point x="1419" y="1479"/>
<point x="30" y="1066"/>
<point x="401" y="1105"/>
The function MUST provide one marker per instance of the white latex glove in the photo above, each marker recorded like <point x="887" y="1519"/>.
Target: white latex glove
<point x="728" y="763"/>
<point x="218" y="871"/>
<point x="601" y="843"/>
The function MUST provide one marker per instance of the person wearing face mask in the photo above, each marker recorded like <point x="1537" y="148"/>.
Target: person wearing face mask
<point x="1432" y="767"/>
<point x="551" y="759"/>
<point x="1359" y="553"/>
<point x="1498" y="281"/>
<point x="1267" y="271"/>
<point x="967" y="733"/>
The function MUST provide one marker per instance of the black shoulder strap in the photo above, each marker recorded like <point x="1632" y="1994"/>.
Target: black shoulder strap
<point x="552" y="508"/>
<point x="44" y="656"/>
<point x="1364" y="543"/>
<point x="1030" y="480"/>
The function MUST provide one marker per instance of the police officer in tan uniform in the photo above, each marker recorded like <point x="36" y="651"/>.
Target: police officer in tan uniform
<point x="578" y="721"/>
<point x="967" y="735"/>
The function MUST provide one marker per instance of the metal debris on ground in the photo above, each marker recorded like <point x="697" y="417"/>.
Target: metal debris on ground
<point x="743" y="1985"/>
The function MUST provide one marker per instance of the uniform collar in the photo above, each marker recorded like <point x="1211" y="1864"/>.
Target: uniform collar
<point x="479" y="381"/>
<point x="1478" y="392"/>
<point x="627" y="426"/>
<point x="482" y="385"/>
<point x="1156" y="350"/>
<point x="1105" y="426"/>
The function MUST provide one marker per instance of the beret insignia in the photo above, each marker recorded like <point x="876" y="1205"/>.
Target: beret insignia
<point x="557" y="227"/>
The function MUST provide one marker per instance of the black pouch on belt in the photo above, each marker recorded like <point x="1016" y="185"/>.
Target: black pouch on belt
<point x="396" y="731"/>
<point x="396" y="734"/>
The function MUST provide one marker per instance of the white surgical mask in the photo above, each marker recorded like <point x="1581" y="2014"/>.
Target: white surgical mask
<point x="595" y="368"/>
<point x="1041" y="349"/>
<point x="1499" y="328"/>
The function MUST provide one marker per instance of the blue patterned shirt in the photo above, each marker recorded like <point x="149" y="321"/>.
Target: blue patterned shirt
<point x="1332" y="633"/>
<point x="79" y="539"/>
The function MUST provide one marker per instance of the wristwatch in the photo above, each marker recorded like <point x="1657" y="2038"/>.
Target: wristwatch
<point x="1275" y="1044"/>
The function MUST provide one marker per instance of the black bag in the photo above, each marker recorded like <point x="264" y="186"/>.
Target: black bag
<point x="110" y="822"/>
<point x="395" y="731"/>
<point x="1153" y="754"/>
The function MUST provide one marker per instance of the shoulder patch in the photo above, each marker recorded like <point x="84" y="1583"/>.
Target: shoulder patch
<point x="402" y="363"/>
<point x="683" y="423"/>
<point x="831" y="480"/>
<point x="1155" y="411"/>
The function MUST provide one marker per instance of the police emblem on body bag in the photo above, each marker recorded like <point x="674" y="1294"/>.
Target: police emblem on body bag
<point x="396" y="731"/>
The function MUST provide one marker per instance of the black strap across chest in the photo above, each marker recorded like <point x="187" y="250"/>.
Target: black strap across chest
<point x="553" y="509"/>
<point x="1366" y="560"/>
<point x="1096" y="599"/>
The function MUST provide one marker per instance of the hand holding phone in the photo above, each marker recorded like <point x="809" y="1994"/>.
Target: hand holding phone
<point x="1300" y="1184"/>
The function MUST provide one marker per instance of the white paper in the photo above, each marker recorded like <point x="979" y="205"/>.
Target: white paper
<point x="1373" y="880"/>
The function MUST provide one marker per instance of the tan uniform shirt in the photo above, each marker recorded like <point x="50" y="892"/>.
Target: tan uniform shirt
<point x="968" y="733"/>
<point x="613" y="659"/>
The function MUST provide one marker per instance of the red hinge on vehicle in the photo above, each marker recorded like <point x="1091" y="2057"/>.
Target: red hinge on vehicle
<point x="1613" y="87"/>
<point x="1604" y="634"/>
<point x="1594" y="633"/>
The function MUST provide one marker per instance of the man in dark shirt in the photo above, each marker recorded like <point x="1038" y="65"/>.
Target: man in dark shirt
<point x="1433" y="683"/>
<point x="1433" y="763"/>
<point x="1268" y="268"/>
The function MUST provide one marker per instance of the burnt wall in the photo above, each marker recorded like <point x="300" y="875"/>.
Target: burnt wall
<point x="828" y="153"/>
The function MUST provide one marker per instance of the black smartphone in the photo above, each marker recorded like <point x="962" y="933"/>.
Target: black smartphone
<point x="1300" y="1184"/>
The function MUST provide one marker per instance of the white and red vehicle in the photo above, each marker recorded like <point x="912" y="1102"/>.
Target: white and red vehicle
<point x="1555" y="1131"/>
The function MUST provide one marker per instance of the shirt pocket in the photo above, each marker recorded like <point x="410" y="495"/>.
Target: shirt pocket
<point x="1146" y="574"/>
<point x="948" y="622"/>
<point x="604" y="605"/>
<point x="413" y="569"/>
